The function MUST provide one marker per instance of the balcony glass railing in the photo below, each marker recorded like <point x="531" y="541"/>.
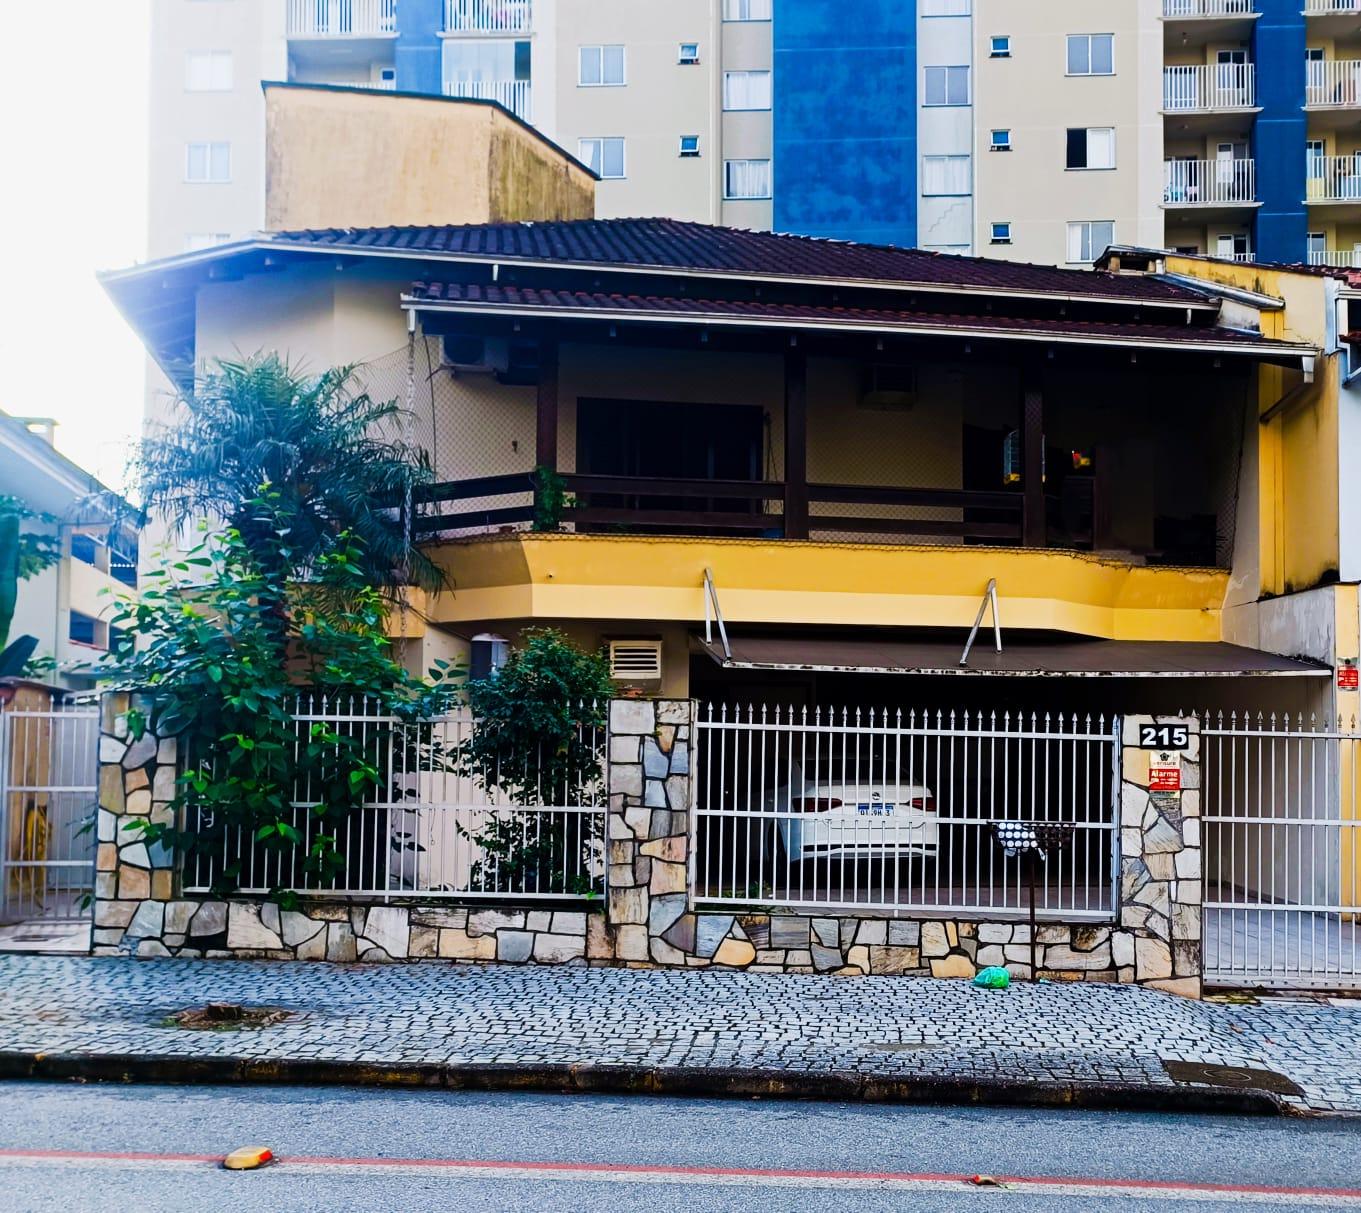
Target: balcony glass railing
<point x="1207" y="87"/>
<point x="1209" y="182"/>
<point x="515" y="95"/>
<point x="488" y="16"/>
<point x="342" y="18"/>
<point x="1332" y="82"/>
<point x="1208" y="8"/>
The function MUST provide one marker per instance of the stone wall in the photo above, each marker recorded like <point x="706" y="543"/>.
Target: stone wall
<point x="647" y="918"/>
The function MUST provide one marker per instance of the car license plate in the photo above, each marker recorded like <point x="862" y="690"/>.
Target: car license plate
<point x="874" y="810"/>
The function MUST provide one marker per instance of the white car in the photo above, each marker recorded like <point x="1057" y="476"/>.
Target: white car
<point x="854" y="817"/>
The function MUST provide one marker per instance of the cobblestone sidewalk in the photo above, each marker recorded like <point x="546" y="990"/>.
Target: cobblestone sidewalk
<point x="883" y="1026"/>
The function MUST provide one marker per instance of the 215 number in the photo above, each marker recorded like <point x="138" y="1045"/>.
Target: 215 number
<point x="1164" y="736"/>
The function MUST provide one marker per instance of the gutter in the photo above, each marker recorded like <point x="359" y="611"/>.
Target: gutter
<point x="726" y="320"/>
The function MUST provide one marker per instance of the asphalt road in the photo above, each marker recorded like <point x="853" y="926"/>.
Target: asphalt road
<point x="92" y="1148"/>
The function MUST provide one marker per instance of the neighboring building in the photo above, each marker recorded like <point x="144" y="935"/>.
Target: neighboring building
<point x="1035" y="133"/>
<point x="66" y="606"/>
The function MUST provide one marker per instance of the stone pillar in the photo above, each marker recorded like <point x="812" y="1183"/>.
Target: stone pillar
<point x="650" y="751"/>
<point x="133" y="880"/>
<point x="1159" y="938"/>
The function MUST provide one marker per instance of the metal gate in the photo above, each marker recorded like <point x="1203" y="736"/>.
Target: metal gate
<point x="1282" y="854"/>
<point x="48" y="794"/>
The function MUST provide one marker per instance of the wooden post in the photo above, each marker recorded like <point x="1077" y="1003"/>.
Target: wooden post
<point x="1032" y="454"/>
<point x="546" y="433"/>
<point x="795" y="445"/>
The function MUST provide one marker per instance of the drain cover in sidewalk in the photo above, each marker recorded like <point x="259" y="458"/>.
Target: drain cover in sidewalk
<point x="1230" y="1076"/>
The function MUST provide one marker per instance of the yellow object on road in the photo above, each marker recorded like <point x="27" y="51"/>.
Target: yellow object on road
<point x="247" y="1158"/>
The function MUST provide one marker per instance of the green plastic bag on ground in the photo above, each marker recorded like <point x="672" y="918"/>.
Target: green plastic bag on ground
<point x="993" y="978"/>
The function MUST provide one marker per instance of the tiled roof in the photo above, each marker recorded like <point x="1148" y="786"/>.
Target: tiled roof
<point x="674" y="245"/>
<point x="505" y="298"/>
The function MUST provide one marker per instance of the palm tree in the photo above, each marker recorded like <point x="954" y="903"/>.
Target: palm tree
<point x="267" y="450"/>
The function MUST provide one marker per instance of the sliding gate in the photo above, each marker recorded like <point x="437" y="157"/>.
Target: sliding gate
<point x="1282" y="818"/>
<point x="48" y="792"/>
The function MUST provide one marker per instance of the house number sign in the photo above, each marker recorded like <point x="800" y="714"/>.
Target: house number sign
<point x="1163" y="737"/>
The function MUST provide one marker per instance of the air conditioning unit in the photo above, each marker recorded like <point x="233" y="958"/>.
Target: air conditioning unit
<point x="636" y="660"/>
<point x="473" y="354"/>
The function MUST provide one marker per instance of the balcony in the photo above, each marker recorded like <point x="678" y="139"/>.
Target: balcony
<point x="1331" y="8"/>
<point x="515" y="95"/>
<point x="1209" y="88"/>
<point x="1333" y="180"/>
<point x="1333" y="84"/>
<point x="1348" y="259"/>
<point x="1178" y="10"/>
<point x="342" y="18"/>
<point x="1209" y="184"/>
<point x="488" y="16"/>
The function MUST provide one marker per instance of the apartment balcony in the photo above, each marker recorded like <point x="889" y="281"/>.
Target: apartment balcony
<point x="1210" y="186"/>
<point x="1334" y="181"/>
<point x="1191" y="23"/>
<point x="1332" y="92"/>
<point x="1349" y="259"/>
<point x="1210" y="88"/>
<point x="488" y="16"/>
<point x="515" y="95"/>
<point x="342" y="19"/>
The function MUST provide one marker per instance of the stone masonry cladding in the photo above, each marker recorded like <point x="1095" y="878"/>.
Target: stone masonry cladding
<point x="647" y="917"/>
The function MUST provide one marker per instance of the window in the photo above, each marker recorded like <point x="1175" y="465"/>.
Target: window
<point x="945" y="8"/>
<point x="1091" y="147"/>
<point x="603" y="156"/>
<point x="1001" y="233"/>
<point x="746" y="90"/>
<point x="1233" y="247"/>
<point x="1001" y="141"/>
<point x="688" y="53"/>
<point x="208" y="71"/>
<point x="689" y="145"/>
<point x="473" y="62"/>
<point x="195" y="241"/>
<point x="601" y="65"/>
<point x="746" y="179"/>
<point x="1001" y="47"/>
<point x="208" y="163"/>
<point x="1089" y="239"/>
<point x="946" y="175"/>
<point x="1091" y="54"/>
<point x="746" y="10"/>
<point x="1316" y="245"/>
<point x="947" y="86"/>
<point x="83" y="629"/>
<point x="1314" y="152"/>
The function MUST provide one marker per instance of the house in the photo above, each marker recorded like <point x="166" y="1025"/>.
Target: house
<point x="67" y="605"/>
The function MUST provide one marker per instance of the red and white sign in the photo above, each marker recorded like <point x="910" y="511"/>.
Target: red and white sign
<point x="1164" y="772"/>
<point x="1348" y="676"/>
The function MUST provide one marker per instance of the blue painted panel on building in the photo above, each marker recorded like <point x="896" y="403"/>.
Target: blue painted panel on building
<point x="845" y="119"/>
<point x="419" y="47"/>
<point x="1281" y="131"/>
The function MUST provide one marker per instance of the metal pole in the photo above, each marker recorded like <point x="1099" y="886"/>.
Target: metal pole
<point x="1030" y="871"/>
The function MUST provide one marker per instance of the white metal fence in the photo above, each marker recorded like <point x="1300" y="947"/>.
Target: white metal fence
<point x="1209" y="86"/>
<point x="1282" y="818"/>
<point x="1333" y="82"/>
<point x="1208" y="8"/>
<point x="341" y="18"/>
<point x="48" y="790"/>
<point x="1333" y="178"/>
<point x="488" y="16"/>
<point x="848" y="808"/>
<point x="437" y="828"/>
<point x="516" y="95"/>
<point x="1208" y="182"/>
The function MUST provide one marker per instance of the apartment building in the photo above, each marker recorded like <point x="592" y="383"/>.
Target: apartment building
<point x="669" y="103"/>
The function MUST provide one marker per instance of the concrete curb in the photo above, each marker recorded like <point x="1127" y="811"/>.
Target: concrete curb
<point x="718" y="1081"/>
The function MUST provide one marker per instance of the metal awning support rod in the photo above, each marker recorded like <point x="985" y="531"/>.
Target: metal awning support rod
<point x="713" y="611"/>
<point x="989" y="597"/>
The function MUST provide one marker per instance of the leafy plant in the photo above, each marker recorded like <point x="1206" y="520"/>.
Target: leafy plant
<point x="23" y="554"/>
<point x="534" y="742"/>
<point x="222" y="650"/>
<point x="324" y="449"/>
<point x="550" y="499"/>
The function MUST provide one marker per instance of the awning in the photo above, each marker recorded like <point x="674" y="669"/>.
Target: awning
<point x="1018" y="659"/>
